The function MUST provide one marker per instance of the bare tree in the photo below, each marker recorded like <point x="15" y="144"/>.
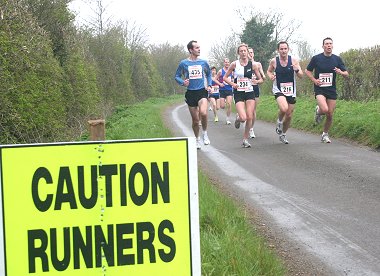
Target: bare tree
<point x="305" y="52"/>
<point x="98" y="20"/>
<point x="135" y="36"/>
<point x="224" y="49"/>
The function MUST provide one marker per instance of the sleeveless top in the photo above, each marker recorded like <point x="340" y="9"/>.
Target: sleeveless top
<point x="226" y="86"/>
<point x="243" y="77"/>
<point x="285" y="81"/>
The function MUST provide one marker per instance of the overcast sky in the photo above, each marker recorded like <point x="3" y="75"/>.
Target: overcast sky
<point x="352" y="24"/>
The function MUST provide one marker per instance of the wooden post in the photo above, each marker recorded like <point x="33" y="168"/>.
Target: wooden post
<point x="97" y="130"/>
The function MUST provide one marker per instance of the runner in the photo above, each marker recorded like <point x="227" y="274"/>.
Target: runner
<point x="196" y="72"/>
<point x="214" y="95"/>
<point x="243" y="89"/>
<point x="256" y="88"/>
<point x="225" y="90"/>
<point x="326" y="66"/>
<point x="282" y="70"/>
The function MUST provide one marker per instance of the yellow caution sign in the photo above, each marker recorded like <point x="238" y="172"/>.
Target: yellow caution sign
<point x="109" y="208"/>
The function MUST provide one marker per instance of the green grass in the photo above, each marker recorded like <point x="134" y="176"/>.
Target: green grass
<point x="229" y="244"/>
<point x="357" y="121"/>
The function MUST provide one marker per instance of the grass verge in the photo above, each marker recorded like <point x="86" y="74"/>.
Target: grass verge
<point x="357" y="121"/>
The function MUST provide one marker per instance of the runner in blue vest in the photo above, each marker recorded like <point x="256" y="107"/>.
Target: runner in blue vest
<point x="214" y="96"/>
<point x="282" y="71"/>
<point x="194" y="73"/>
<point x="326" y="66"/>
<point x="225" y="90"/>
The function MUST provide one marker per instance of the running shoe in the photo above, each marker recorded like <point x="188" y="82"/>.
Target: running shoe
<point x="216" y="119"/>
<point x="279" y="128"/>
<point x="237" y="121"/>
<point x="206" y="141"/>
<point x="246" y="144"/>
<point x="198" y="143"/>
<point x="210" y="108"/>
<point x="283" y="139"/>
<point x="252" y="133"/>
<point x="228" y="122"/>
<point x="325" y="138"/>
<point x="317" y="117"/>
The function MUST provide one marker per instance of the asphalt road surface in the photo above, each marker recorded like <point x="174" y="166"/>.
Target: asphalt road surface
<point x="323" y="197"/>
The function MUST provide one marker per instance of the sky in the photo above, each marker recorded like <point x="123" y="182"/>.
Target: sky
<point x="351" y="24"/>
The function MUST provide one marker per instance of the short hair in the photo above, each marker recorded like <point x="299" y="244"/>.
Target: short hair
<point x="213" y="67"/>
<point x="190" y="45"/>
<point x="327" y="38"/>
<point x="241" y="45"/>
<point x="282" y="42"/>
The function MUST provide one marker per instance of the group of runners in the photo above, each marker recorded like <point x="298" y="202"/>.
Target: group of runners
<point x="239" y="82"/>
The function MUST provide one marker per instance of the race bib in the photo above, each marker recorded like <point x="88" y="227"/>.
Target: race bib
<point x="244" y="84"/>
<point x="215" y="89"/>
<point x="287" y="88"/>
<point x="326" y="79"/>
<point x="195" y="72"/>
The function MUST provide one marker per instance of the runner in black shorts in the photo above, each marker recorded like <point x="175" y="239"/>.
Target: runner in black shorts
<point x="243" y="89"/>
<point x="282" y="71"/>
<point x="225" y="90"/>
<point x="326" y="66"/>
<point x="194" y="73"/>
<point x="214" y="96"/>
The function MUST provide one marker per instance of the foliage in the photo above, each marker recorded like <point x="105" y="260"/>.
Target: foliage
<point x="262" y="32"/>
<point x="364" y="69"/>
<point x="259" y="36"/>
<point x="55" y="76"/>
<point x="56" y="19"/>
<point x="166" y="58"/>
<point x="114" y="73"/>
<point x="349" y="119"/>
<point x="363" y="83"/>
<point x="30" y="80"/>
<point x="81" y="93"/>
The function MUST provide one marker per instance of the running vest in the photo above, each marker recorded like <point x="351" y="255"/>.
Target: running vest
<point x="285" y="81"/>
<point x="243" y="77"/>
<point x="226" y="87"/>
<point x="215" y="88"/>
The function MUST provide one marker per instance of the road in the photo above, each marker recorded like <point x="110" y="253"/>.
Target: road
<point x="323" y="197"/>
